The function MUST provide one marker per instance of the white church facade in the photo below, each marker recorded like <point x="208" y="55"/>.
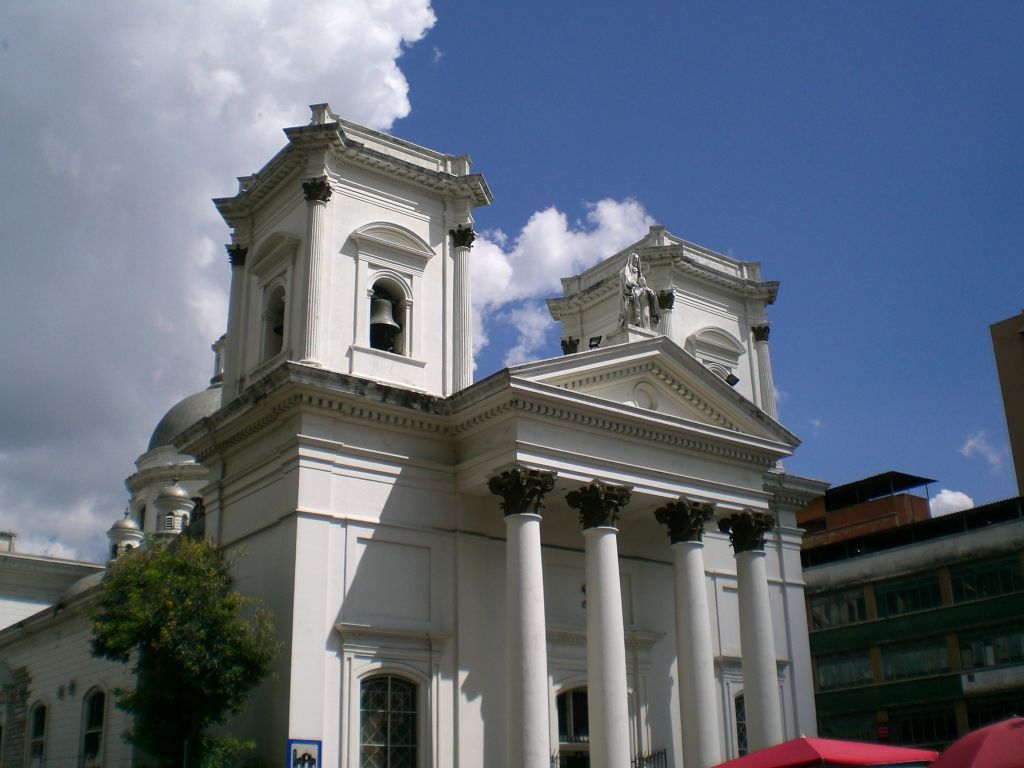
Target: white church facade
<point x="586" y="560"/>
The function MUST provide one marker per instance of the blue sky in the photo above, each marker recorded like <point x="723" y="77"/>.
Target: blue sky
<point x="869" y="154"/>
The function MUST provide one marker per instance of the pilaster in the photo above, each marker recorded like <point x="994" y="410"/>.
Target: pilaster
<point x="765" y="383"/>
<point x="462" y="325"/>
<point x="236" y="257"/>
<point x="317" y="193"/>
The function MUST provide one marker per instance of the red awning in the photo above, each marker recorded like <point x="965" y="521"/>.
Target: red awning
<point x="811" y="753"/>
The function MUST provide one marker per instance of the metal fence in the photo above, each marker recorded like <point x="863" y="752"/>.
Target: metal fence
<point x="656" y="759"/>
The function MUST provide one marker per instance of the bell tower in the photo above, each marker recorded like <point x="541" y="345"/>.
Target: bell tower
<point x="350" y="252"/>
<point x="710" y="304"/>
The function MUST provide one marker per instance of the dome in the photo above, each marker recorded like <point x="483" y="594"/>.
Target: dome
<point x="83" y="584"/>
<point x="184" y="414"/>
<point x="125" y="524"/>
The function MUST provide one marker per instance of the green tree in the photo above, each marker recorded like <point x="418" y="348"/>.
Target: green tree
<point x="198" y="646"/>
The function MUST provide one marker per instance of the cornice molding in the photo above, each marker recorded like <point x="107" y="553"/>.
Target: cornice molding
<point x="329" y="139"/>
<point x="394" y="407"/>
<point x="152" y="475"/>
<point x="354" y="632"/>
<point x="636" y="640"/>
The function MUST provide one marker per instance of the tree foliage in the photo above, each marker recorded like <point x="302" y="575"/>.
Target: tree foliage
<point x="198" y="647"/>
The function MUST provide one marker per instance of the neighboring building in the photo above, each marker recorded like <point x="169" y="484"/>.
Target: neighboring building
<point x="916" y="623"/>
<point x="1008" y="345"/>
<point x="30" y="583"/>
<point x="593" y="557"/>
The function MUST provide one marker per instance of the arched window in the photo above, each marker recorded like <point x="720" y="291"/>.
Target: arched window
<point x="740" y="708"/>
<point x="94" y="710"/>
<point x="388" y="317"/>
<point x="573" y="728"/>
<point x="387" y="723"/>
<point x="273" y="323"/>
<point x="37" y="735"/>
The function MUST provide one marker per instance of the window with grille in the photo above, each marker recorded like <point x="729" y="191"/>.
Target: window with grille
<point x="387" y="723"/>
<point x="37" y="736"/>
<point x="92" y="731"/>
<point x="843" y="670"/>
<point x="935" y="727"/>
<point x="894" y="598"/>
<point x="740" y="707"/>
<point x="834" y="609"/>
<point x="990" y="578"/>
<point x="992" y="647"/>
<point x="918" y="659"/>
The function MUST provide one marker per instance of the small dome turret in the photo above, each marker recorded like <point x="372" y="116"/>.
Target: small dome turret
<point x="175" y="507"/>
<point x="125" y="535"/>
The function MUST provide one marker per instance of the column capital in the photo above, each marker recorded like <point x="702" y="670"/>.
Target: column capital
<point x="746" y="529"/>
<point x="761" y="332"/>
<point x="236" y="254"/>
<point x="598" y="503"/>
<point x="462" y="236"/>
<point x="666" y="299"/>
<point x="685" y="519"/>
<point x="570" y="346"/>
<point x="521" y="489"/>
<point x="317" y="190"/>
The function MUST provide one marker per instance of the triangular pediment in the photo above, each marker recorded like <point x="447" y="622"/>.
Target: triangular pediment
<point x="658" y="377"/>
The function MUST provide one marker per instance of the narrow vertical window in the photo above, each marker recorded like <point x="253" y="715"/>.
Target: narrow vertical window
<point x="387" y="710"/>
<point x="92" y="730"/>
<point x="740" y="705"/>
<point x="37" y="736"/>
<point x="273" y="323"/>
<point x="573" y="728"/>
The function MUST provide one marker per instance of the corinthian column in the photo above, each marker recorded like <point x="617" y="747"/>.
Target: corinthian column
<point x="462" y="327"/>
<point x="698" y="699"/>
<point x="598" y="505"/>
<point x="757" y="642"/>
<point x="526" y="666"/>
<point x="317" y="192"/>
<point x="765" y="385"/>
<point x="236" y="256"/>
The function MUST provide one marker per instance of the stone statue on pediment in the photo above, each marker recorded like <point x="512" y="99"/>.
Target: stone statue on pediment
<point x="639" y="303"/>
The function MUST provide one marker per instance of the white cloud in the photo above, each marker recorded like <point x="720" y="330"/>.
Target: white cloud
<point x="547" y="248"/>
<point x="946" y="502"/>
<point x="121" y="124"/>
<point x="978" y="445"/>
<point x="817" y="424"/>
<point x="531" y="321"/>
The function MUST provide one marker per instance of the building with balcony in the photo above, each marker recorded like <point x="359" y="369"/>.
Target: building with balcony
<point x="916" y="627"/>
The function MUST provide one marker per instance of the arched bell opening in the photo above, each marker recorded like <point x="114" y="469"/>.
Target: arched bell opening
<point x="387" y="317"/>
<point x="273" y="323"/>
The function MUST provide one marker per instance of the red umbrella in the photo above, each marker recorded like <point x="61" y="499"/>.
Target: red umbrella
<point x="1000" y="745"/>
<point x="813" y="753"/>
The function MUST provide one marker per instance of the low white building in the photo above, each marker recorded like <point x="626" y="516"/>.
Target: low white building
<point x="489" y="573"/>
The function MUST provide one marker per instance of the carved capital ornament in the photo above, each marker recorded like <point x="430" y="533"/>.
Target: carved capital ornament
<point x="685" y="519"/>
<point x="522" y="490"/>
<point x="761" y="332"/>
<point x="317" y="190"/>
<point x="236" y="254"/>
<point x="599" y="503"/>
<point x="462" y="236"/>
<point x="746" y="530"/>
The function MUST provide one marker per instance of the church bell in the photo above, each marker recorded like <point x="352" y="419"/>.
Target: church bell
<point x="383" y="327"/>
